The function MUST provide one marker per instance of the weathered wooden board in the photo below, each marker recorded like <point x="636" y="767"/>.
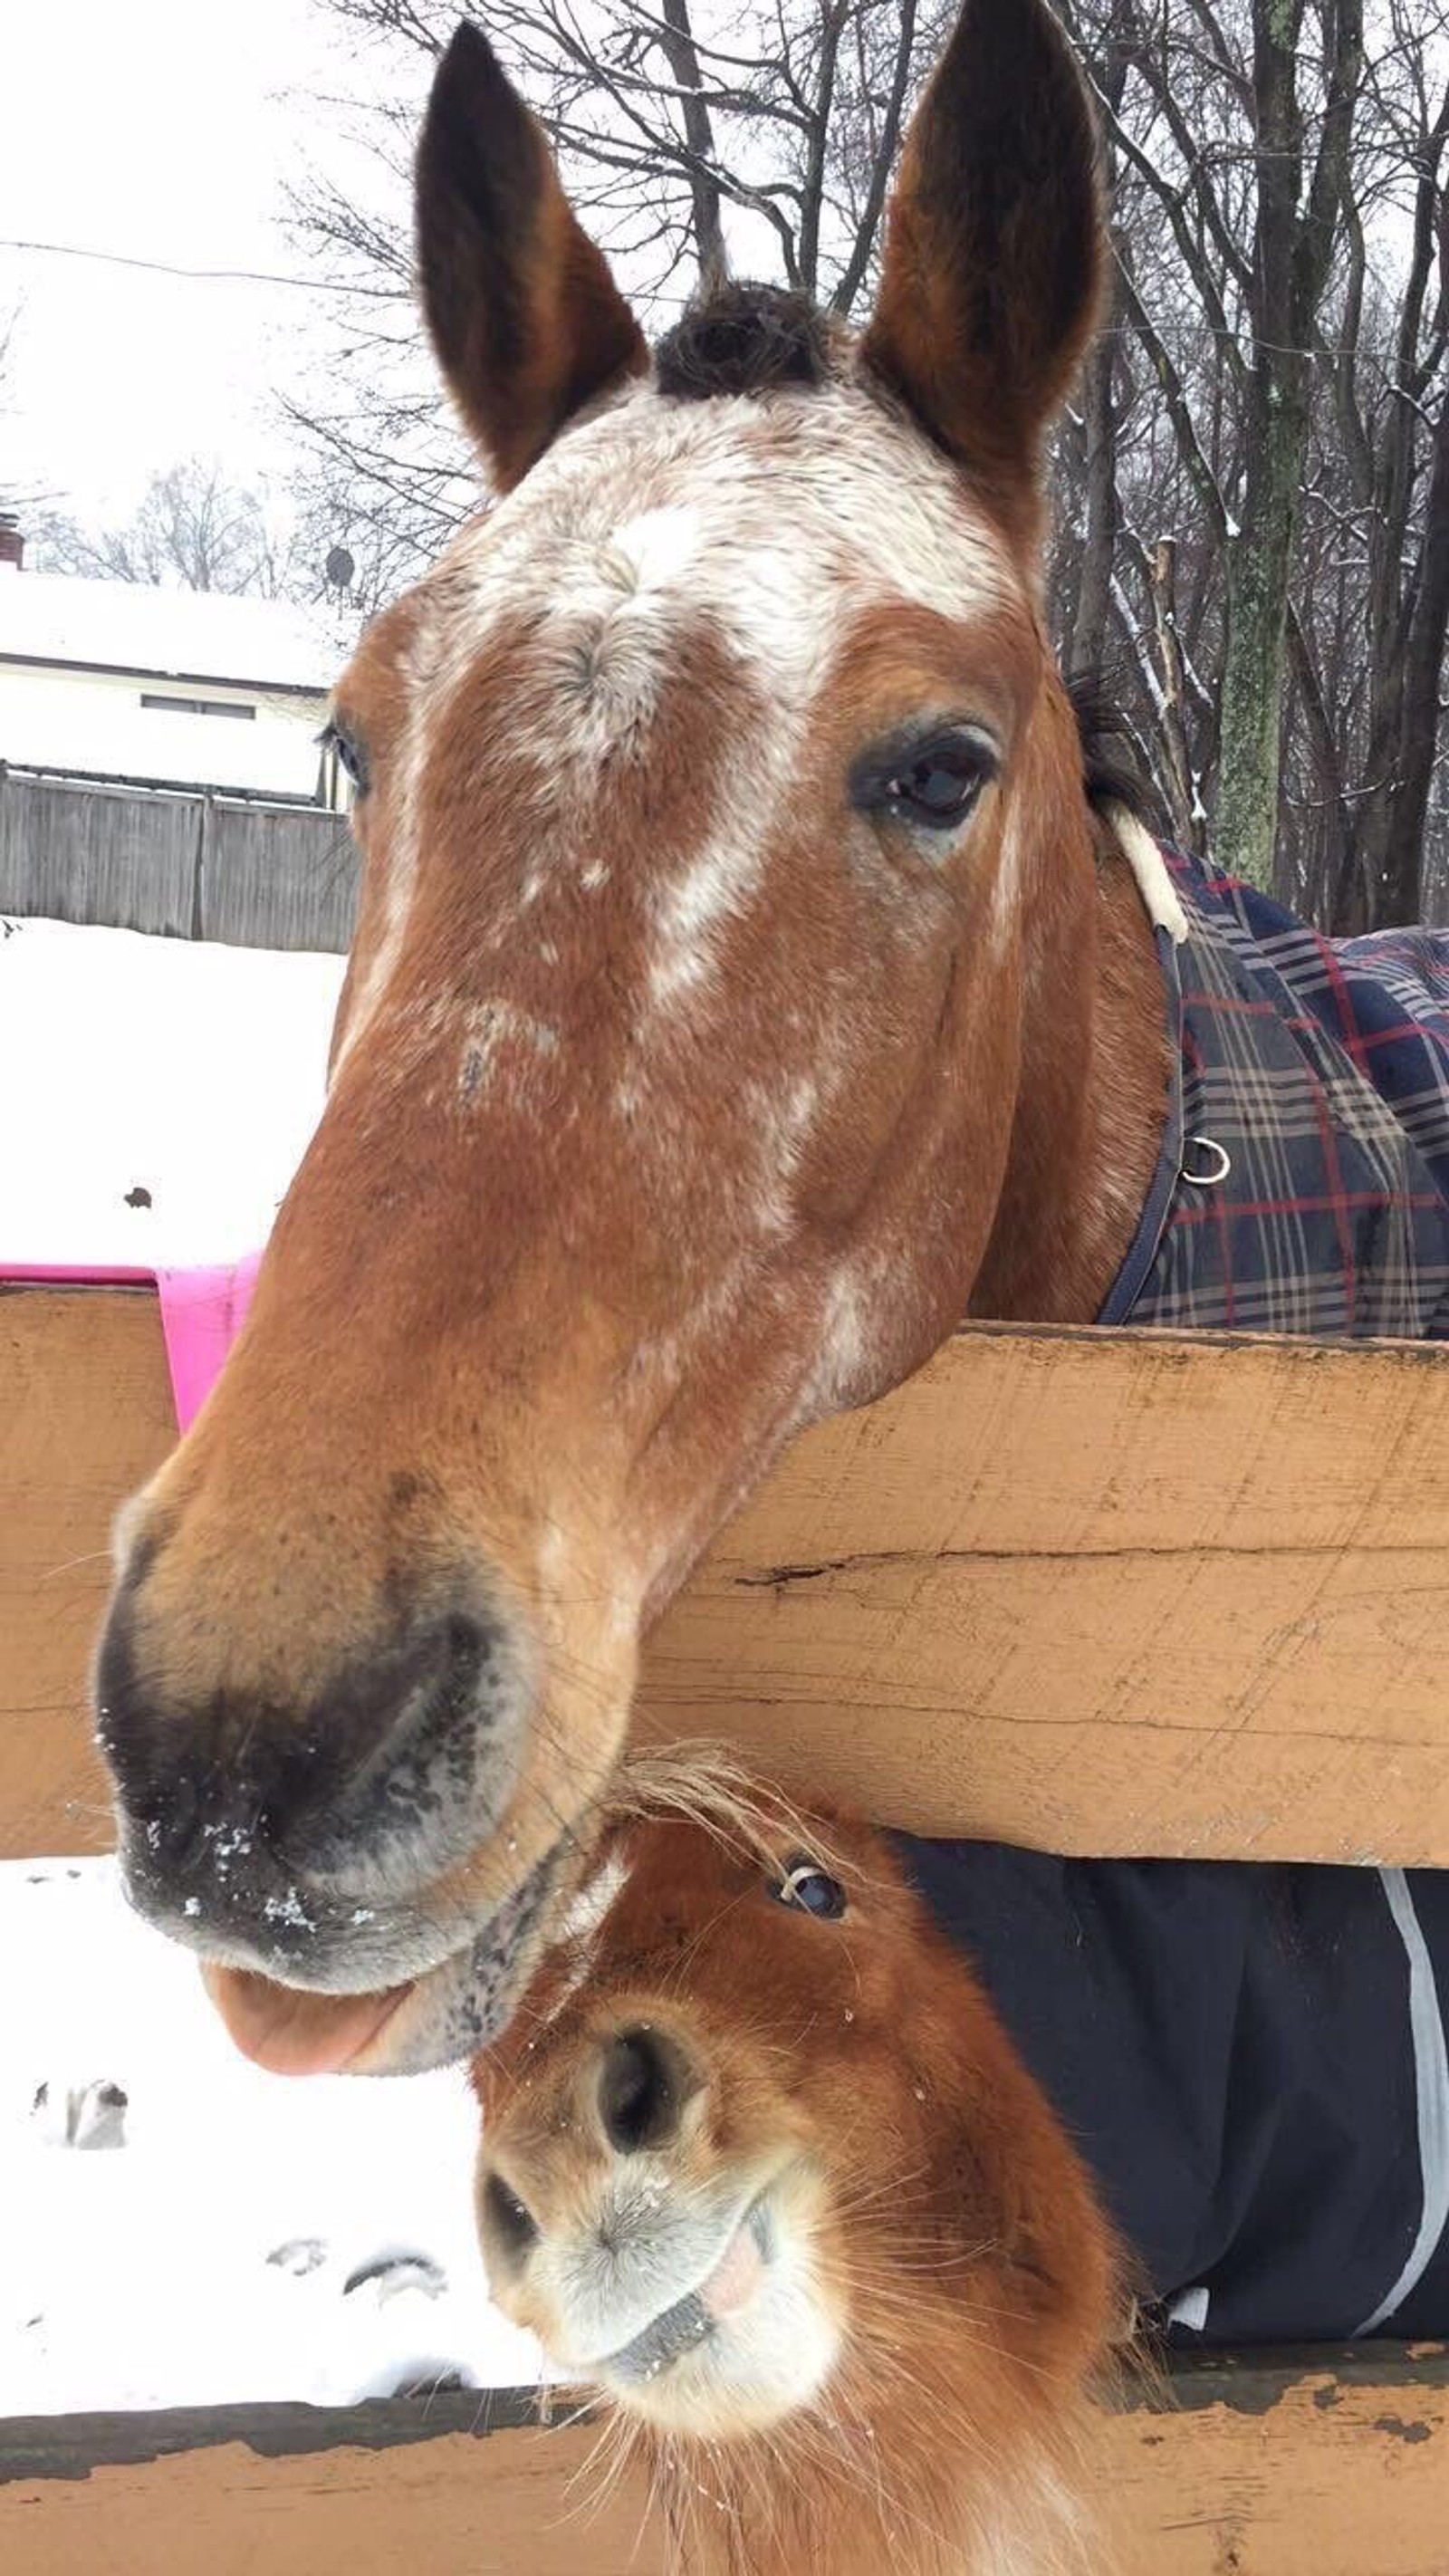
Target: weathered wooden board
<point x="1103" y="1592"/>
<point x="1107" y="1592"/>
<point x="85" y="1416"/>
<point x="1311" y="2464"/>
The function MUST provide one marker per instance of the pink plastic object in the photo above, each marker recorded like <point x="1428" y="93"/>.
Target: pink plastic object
<point x="202" y="1312"/>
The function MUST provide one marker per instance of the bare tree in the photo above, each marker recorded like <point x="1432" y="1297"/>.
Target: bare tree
<point x="1253" y="481"/>
<point x="691" y="141"/>
<point x="192" y="527"/>
<point x="1256" y="448"/>
<point x="16" y="499"/>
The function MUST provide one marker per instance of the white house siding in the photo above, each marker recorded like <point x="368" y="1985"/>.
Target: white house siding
<point x="78" y="659"/>
<point x="94" y="724"/>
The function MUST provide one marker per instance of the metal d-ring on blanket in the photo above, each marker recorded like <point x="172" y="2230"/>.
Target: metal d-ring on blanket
<point x="1219" y="1166"/>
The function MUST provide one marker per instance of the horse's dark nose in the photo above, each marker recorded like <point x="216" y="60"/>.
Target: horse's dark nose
<point x="392" y="1767"/>
<point x="645" y="2079"/>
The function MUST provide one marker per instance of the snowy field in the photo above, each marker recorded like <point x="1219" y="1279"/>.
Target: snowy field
<point x="180" y="2229"/>
<point x="177" y="2228"/>
<point x="158" y="1092"/>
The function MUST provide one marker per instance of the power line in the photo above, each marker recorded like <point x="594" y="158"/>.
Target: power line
<point x="225" y="276"/>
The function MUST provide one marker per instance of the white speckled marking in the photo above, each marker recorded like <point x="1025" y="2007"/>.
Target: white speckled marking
<point x="773" y="525"/>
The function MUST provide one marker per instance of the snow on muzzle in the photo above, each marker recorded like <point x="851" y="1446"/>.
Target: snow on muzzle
<point x="364" y="1874"/>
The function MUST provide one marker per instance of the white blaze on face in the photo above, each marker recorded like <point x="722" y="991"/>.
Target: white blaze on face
<point x="769" y="523"/>
<point x="659" y="547"/>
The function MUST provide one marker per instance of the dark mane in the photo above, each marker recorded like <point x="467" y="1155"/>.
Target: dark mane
<point x="742" y="339"/>
<point x="1114" y="770"/>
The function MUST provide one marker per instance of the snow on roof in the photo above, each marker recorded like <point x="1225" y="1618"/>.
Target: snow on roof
<point x="175" y="634"/>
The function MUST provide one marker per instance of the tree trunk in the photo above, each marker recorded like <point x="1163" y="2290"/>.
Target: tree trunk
<point x="1398" y="891"/>
<point x="1087" y="648"/>
<point x="1294" y="237"/>
<point x="1260" y="557"/>
<point x="676" y="41"/>
<point x="1172" y="724"/>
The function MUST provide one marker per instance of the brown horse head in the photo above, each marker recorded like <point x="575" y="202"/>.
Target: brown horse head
<point x="744" y="991"/>
<point x="761" y="2166"/>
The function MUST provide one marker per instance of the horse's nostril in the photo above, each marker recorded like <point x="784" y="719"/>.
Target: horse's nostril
<point x="644" y="2083"/>
<point x="408" y="1750"/>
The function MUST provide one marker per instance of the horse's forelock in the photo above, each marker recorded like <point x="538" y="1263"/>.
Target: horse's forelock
<point x="744" y="339"/>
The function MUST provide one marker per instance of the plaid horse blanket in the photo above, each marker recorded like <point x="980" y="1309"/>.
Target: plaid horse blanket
<point x="1303" y="1185"/>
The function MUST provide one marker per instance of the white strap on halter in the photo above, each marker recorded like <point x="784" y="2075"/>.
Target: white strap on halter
<point x="1150" y="868"/>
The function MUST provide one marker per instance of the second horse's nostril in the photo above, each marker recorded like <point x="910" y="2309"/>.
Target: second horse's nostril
<point x="644" y="2083"/>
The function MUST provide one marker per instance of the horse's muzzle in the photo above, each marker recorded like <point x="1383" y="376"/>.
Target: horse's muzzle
<point x="321" y="1845"/>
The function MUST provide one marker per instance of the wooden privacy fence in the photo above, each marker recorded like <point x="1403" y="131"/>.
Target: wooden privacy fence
<point x="200" y="866"/>
<point x="1102" y="1592"/>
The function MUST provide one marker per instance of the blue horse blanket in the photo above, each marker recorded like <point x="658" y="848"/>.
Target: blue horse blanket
<point x="1250" y="2059"/>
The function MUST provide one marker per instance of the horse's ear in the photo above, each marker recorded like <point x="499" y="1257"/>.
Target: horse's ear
<point x="994" y="244"/>
<point x="525" y="317"/>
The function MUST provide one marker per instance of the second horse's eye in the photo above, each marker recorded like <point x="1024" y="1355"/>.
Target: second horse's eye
<point x="811" y="1888"/>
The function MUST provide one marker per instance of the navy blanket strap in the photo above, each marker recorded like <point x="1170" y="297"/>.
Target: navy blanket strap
<point x="1303" y="1183"/>
<point x="1250" y="2058"/>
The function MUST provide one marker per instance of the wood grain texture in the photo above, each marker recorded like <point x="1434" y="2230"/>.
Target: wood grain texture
<point x="1102" y="1592"/>
<point x="1109" y="1592"/>
<point x="85" y="1417"/>
<point x="1322" y="2465"/>
<point x="1303" y="2464"/>
<point x="452" y="2505"/>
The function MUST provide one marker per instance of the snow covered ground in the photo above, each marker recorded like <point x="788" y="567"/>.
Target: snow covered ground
<point x="175" y="2227"/>
<point x="218" y="2234"/>
<point x="158" y="1092"/>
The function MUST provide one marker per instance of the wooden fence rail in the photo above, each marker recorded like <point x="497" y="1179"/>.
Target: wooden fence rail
<point x="188" y="866"/>
<point x="1312" y="2463"/>
<point x="1096" y="1592"/>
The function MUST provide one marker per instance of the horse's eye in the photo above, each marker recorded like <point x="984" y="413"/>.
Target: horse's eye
<point x="351" y="758"/>
<point x="930" y="785"/>
<point x="940" y="788"/>
<point x="811" y="1888"/>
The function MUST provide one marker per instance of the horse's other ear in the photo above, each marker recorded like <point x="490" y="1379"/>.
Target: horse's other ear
<point x="525" y="317"/>
<point x="994" y="247"/>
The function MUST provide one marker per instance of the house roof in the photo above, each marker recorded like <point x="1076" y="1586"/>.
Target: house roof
<point x="171" y="634"/>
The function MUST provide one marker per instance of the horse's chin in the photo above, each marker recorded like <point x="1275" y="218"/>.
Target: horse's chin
<point x="436" y="2019"/>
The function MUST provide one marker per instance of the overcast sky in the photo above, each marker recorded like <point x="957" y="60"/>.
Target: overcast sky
<point x="165" y="130"/>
